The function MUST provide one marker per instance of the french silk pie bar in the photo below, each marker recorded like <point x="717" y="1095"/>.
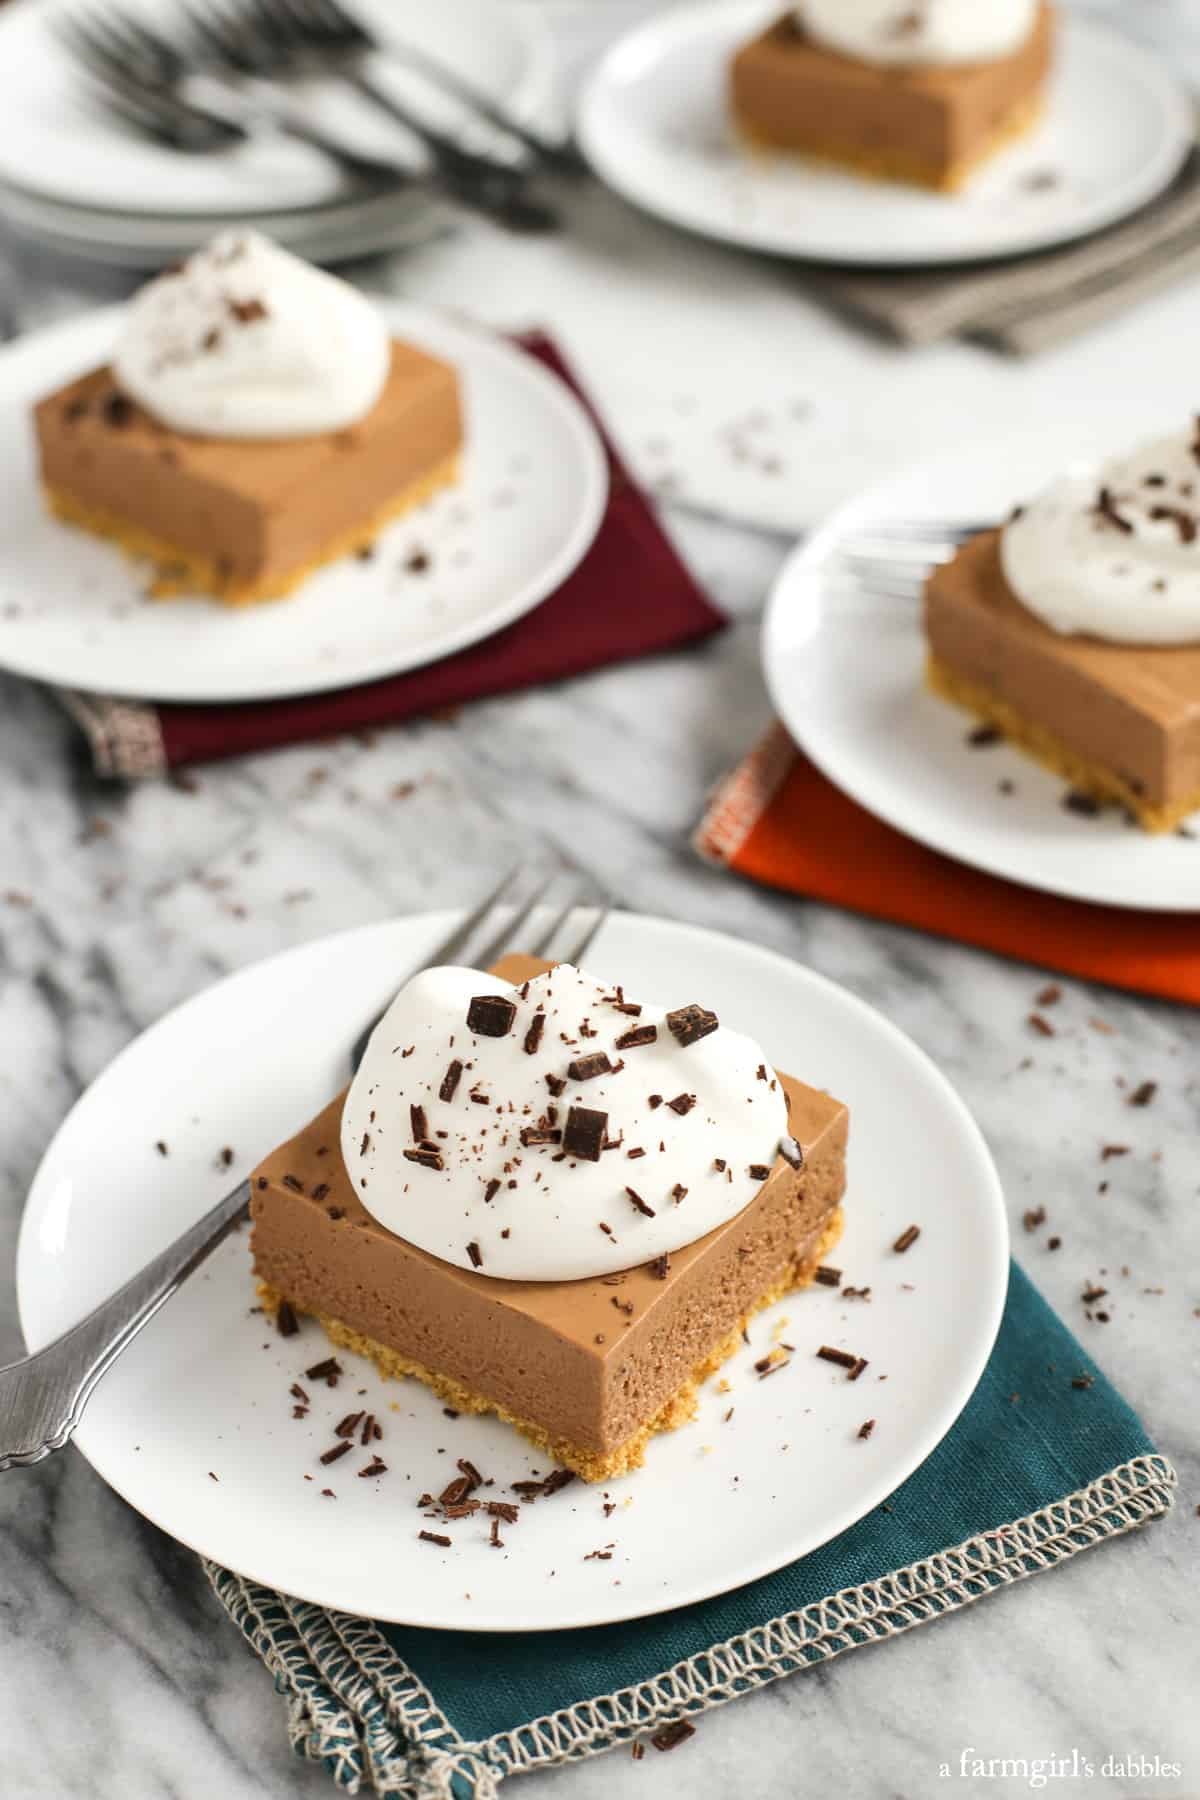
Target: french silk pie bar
<point x="574" y="1251"/>
<point x="919" y="91"/>
<point x="256" y="422"/>
<point x="1075" y="630"/>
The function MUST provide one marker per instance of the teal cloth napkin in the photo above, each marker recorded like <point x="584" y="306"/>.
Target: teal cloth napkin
<point x="1046" y="1460"/>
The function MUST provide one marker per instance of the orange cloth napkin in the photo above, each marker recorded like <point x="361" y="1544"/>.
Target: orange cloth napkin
<point x="779" y="821"/>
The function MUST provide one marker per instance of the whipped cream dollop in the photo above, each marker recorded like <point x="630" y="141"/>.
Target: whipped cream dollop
<point x="906" y="32"/>
<point x="244" y="340"/>
<point x="556" y="1131"/>
<point x="1114" y="552"/>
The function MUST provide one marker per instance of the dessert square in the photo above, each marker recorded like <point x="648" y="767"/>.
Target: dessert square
<point x="246" y="519"/>
<point x="1119" y="721"/>
<point x="588" y="1369"/>
<point x="928" y="126"/>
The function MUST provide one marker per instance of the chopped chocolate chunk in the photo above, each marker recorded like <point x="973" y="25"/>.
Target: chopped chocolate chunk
<point x="791" y="1152"/>
<point x="586" y="1068"/>
<point x="660" y="1268"/>
<point x="428" y="1155"/>
<point x="639" y="1205"/>
<point x="719" y="1164"/>
<point x="828" y="1277"/>
<point x="492" y="1188"/>
<point x="637" y="1036"/>
<point x="491" y="1015"/>
<point x="758" y="1171"/>
<point x="678" y="1192"/>
<point x="331" y="1456"/>
<point x="688" y="1024"/>
<point x="556" y="1084"/>
<point x="450" y="1080"/>
<point x="533" y="1036"/>
<point x="866" y="1428"/>
<point x="1143" y="1094"/>
<point x="475" y="1254"/>
<point x="907" y="1239"/>
<point x="584" y="1133"/>
<point x="674" y="1734"/>
<point x="682" y="1103"/>
<point x="435" y="1537"/>
<point x="286" y="1322"/>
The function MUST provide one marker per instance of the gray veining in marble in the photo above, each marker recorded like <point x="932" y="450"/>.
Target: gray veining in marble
<point x="122" y="1680"/>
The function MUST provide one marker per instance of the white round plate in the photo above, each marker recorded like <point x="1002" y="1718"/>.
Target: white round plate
<point x="532" y="493"/>
<point x="654" y="122"/>
<point x="57" y="140"/>
<point x="205" y="1387"/>
<point x="845" y="671"/>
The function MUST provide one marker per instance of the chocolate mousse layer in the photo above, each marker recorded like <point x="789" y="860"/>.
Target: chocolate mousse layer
<point x="927" y="125"/>
<point x="1119" y="720"/>
<point x="246" y="518"/>
<point x="589" y="1365"/>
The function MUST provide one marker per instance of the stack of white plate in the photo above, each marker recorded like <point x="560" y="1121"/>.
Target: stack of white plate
<point x="74" y="179"/>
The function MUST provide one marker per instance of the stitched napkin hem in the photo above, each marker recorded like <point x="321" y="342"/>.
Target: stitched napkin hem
<point x="355" y="1707"/>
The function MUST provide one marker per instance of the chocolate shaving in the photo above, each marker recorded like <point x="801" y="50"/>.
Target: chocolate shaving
<point x="639" y="1205"/>
<point x="455" y="1492"/>
<point x="1110" y="1150"/>
<point x="435" y="1537"/>
<point x="533" y="1036"/>
<point x="427" y="1155"/>
<point x="286" y="1322"/>
<point x="494" y="1538"/>
<point x="348" y="1426"/>
<point x="502" y="1509"/>
<point x="674" y="1734"/>
<point x="688" y="1024"/>
<point x="329" y="1370"/>
<point x="682" y="1103"/>
<point x="1105" y="508"/>
<point x="450" y="1081"/>
<point x="540" y="1134"/>
<point x="331" y="1456"/>
<point x="420" y="1124"/>
<point x="637" y="1036"/>
<point x="842" y="1358"/>
<point x="376" y="1466"/>
<point x="660" y="1268"/>
<point x="907" y="1239"/>
<point x="491" y="1015"/>
<point x="828" y="1277"/>
<point x="475" y="1254"/>
<point x="791" y="1152"/>
<point x="584" y="1133"/>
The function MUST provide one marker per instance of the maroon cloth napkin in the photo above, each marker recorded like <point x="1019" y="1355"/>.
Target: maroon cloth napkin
<point x="630" y="596"/>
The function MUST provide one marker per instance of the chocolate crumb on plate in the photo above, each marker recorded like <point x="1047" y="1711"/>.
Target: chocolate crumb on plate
<point x="475" y="1254"/>
<point x="1110" y="1150"/>
<point x="1143" y="1094"/>
<point x="866" y="1428"/>
<point x="1040" y="1024"/>
<point x="907" y="1239"/>
<point x="1032" y="1217"/>
<point x="435" y="1537"/>
<point x="427" y="1155"/>
<point x="674" y="1734"/>
<point x="533" y="1036"/>
<point x="827" y="1277"/>
<point x="450" y="1080"/>
<point x="329" y="1370"/>
<point x="639" y="1205"/>
<point x="339" y="1450"/>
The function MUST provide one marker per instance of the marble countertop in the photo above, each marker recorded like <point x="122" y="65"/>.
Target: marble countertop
<point x="123" y="1679"/>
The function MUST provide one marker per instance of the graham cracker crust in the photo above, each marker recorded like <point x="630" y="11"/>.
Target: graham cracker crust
<point x="185" y="572"/>
<point x="1039" y="742"/>
<point x="880" y="163"/>
<point x="589" y="1464"/>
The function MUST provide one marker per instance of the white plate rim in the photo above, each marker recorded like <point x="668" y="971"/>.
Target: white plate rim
<point x="642" y="39"/>
<point x="416" y="322"/>
<point x="987" y="1319"/>
<point x="798" y="583"/>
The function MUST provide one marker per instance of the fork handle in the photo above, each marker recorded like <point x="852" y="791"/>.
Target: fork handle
<point x="42" y="1398"/>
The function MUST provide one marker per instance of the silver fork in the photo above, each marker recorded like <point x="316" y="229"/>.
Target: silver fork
<point x="890" y="560"/>
<point x="42" y="1397"/>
